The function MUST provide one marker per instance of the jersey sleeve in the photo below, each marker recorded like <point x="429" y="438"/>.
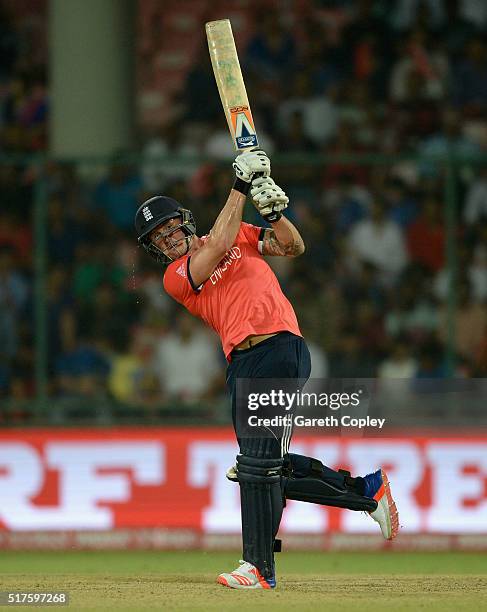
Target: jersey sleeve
<point x="254" y="235"/>
<point x="176" y="281"/>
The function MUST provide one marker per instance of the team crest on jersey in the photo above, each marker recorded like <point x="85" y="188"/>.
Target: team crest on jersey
<point x="243" y="127"/>
<point x="181" y="270"/>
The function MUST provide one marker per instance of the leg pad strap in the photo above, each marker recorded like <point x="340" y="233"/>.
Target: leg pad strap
<point x="316" y="491"/>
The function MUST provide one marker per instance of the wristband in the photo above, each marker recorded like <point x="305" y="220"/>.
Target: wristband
<point x="241" y="186"/>
<point x="273" y="217"/>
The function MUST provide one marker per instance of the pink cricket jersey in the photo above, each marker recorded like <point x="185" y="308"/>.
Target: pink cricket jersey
<point x="241" y="298"/>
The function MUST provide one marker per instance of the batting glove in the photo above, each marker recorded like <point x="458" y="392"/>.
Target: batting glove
<point x="251" y="162"/>
<point x="269" y="199"/>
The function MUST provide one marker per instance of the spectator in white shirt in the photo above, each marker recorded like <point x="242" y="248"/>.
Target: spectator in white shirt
<point x="379" y="241"/>
<point x="187" y="361"/>
<point x="395" y="374"/>
<point x="400" y="363"/>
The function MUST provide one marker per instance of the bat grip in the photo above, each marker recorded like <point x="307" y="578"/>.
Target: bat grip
<point x="257" y="174"/>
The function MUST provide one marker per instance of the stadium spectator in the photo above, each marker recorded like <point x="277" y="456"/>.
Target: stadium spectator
<point x="108" y="310"/>
<point x="420" y="58"/>
<point x="448" y="140"/>
<point x="431" y="365"/>
<point x="411" y="312"/>
<point x="370" y="328"/>
<point x="476" y="199"/>
<point x="94" y="265"/>
<point x="475" y="12"/>
<point x="318" y="111"/>
<point x="158" y="168"/>
<point x="347" y="201"/>
<point x="403" y="207"/>
<point x="14" y="293"/>
<point x="198" y="100"/>
<point x="356" y="107"/>
<point x="366" y="43"/>
<point x="271" y="52"/>
<point x="132" y="381"/>
<point x="363" y="285"/>
<point x="472" y="267"/>
<point x="470" y="79"/>
<point x="62" y="322"/>
<point x="16" y="236"/>
<point x="400" y="363"/>
<point x="14" y="288"/>
<point x="347" y="360"/>
<point x="187" y="348"/>
<point x="64" y="235"/>
<point x="426" y="236"/>
<point x="82" y="371"/>
<point x="378" y="240"/>
<point x="293" y="138"/>
<point x="117" y="195"/>
<point x="322" y="57"/>
<point x="457" y="29"/>
<point x="343" y="144"/>
<point x="470" y="323"/>
<point x="406" y="13"/>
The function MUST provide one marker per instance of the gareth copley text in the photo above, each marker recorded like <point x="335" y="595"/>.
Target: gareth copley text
<point x="328" y="421"/>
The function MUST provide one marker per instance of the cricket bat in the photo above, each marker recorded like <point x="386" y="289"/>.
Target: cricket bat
<point x="231" y="86"/>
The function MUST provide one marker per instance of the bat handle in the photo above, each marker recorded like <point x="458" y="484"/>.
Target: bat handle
<point x="257" y="174"/>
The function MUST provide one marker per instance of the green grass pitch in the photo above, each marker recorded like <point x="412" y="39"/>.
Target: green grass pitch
<point x="329" y="581"/>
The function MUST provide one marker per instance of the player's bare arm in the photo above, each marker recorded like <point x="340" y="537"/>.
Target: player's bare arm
<point x="270" y="200"/>
<point x="206" y="256"/>
<point x="283" y="239"/>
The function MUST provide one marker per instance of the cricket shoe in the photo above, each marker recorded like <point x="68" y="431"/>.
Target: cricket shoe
<point x="247" y="576"/>
<point x="386" y="514"/>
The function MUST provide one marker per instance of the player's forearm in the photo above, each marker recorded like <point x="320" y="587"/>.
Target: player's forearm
<point x="288" y="237"/>
<point x="227" y="224"/>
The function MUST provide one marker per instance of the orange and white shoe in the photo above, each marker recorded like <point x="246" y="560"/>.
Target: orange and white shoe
<point x="247" y="576"/>
<point x="386" y="514"/>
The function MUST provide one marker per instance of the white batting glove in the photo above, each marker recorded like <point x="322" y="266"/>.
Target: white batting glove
<point x="251" y="162"/>
<point x="269" y="199"/>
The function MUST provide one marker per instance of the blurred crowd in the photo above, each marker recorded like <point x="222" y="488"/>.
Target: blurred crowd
<point x="377" y="290"/>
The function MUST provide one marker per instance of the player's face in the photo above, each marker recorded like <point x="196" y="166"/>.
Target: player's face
<point x="171" y="241"/>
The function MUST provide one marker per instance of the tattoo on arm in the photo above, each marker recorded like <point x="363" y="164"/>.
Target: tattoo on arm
<point x="272" y="246"/>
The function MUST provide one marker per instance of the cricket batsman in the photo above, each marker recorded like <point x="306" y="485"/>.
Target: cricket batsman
<point x="224" y="279"/>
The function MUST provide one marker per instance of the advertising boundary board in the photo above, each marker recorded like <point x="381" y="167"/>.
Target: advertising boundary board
<point x="165" y="488"/>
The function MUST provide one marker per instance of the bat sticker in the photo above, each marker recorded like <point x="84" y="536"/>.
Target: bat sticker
<point x="243" y="127"/>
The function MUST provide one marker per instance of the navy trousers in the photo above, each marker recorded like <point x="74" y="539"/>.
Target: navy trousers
<point x="261" y="497"/>
<point x="282" y="356"/>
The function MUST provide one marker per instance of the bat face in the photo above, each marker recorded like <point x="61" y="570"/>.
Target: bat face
<point x="243" y="127"/>
<point x="231" y="87"/>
